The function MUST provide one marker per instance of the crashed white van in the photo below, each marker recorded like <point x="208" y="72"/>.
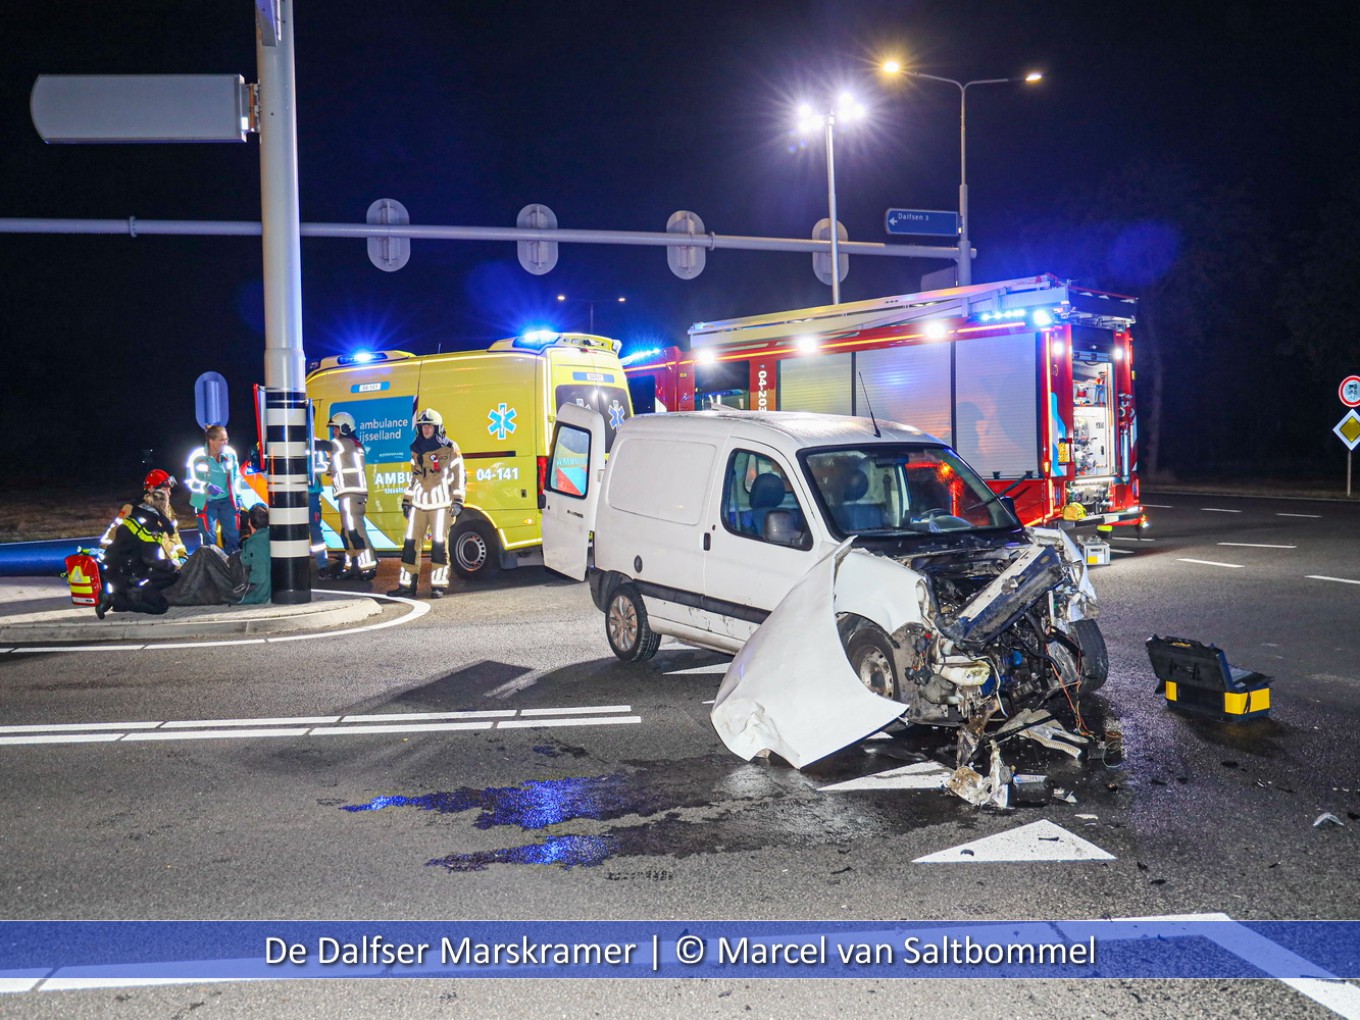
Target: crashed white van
<point x="913" y="590"/>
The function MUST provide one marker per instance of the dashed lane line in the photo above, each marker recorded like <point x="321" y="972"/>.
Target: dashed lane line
<point x="309" y="726"/>
<point x="1258" y="545"/>
<point x="1209" y="563"/>
<point x="1158" y="506"/>
<point x="1338" y="580"/>
<point x="1316" y="517"/>
<point x="1218" y="510"/>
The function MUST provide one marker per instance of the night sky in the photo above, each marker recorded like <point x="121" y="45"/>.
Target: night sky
<point x="1153" y="119"/>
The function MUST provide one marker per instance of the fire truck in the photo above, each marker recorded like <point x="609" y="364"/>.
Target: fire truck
<point x="1031" y="380"/>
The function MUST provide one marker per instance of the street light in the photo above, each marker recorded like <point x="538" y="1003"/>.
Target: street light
<point x="592" y="302"/>
<point x="965" y="246"/>
<point x="848" y="109"/>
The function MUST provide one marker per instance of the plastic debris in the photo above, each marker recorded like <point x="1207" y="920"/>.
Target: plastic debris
<point x="1063" y="795"/>
<point x="1326" y="818"/>
<point x="1030" y="788"/>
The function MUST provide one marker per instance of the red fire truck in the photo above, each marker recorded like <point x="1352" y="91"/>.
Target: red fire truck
<point x="1031" y="380"/>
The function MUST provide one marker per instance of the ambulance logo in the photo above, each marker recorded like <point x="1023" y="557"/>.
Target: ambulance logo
<point x="616" y="413"/>
<point x="502" y="422"/>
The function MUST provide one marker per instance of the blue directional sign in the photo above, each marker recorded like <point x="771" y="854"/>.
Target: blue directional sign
<point x="921" y="221"/>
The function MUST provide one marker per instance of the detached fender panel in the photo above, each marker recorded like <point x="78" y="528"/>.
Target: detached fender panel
<point x="790" y="689"/>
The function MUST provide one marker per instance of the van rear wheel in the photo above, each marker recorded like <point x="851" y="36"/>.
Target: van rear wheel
<point x="626" y="627"/>
<point x="474" y="550"/>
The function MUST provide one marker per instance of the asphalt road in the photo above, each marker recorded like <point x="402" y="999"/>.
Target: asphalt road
<point x="598" y="789"/>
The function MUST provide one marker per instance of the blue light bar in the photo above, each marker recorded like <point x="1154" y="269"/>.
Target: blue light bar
<point x="636" y="356"/>
<point x="540" y="337"/>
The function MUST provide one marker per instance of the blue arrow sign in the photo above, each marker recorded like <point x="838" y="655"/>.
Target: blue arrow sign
<point x="921" y="221"/>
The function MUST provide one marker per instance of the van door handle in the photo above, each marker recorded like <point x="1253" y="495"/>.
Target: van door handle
<point x="708" y="541"/>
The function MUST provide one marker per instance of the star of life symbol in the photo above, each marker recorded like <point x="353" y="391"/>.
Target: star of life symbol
<point x="502" y="421"/>
<point x="615" y="414"/>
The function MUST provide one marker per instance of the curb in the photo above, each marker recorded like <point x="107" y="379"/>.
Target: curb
<point x="184" y="622"/>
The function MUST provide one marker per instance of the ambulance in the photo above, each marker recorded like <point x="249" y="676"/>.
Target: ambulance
<point x="499" y="406"/>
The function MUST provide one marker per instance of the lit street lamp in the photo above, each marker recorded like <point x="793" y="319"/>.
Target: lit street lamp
<point x="592" y="302"/>
<point x="848" y="110"/>
<point x="965" y="245"/>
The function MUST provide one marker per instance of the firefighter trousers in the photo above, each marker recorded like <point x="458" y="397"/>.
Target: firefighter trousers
<point x="436" y="522"/>
<point x="354" y="534"/>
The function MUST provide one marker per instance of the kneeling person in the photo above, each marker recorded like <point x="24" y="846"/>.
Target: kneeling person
<point x="137" y="568"/>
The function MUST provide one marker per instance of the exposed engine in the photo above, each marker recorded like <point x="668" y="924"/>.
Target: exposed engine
<point x="1001" y="631"/>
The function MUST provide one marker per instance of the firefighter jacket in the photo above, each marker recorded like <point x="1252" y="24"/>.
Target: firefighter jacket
<point x="437" y="480"/>
<point x="136" y="551"/>
<point x="203" y="470"/>
<point x="347" y="467"/>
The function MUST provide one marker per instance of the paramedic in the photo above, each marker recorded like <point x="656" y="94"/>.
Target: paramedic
<point x="214" y="477"/>
<point x="349" y="481"/>
<point x="137" y="569"/>
<point x="432" y="502"/>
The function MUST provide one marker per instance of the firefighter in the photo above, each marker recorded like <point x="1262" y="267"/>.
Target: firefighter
<point x="137" y="569"/>
<point x="431" y="503"/>
<point x="214" y="480"/>
<point x="157" y="482"/>
<point x="349" y="481"/>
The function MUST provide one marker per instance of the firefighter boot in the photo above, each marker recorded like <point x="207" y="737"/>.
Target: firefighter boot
<point x="104" y="604"/>
<point x="406" y="584"/>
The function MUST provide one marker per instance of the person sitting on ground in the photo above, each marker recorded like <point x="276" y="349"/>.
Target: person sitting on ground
<point x="255" y="558"/>
<point x="137" y="569"/>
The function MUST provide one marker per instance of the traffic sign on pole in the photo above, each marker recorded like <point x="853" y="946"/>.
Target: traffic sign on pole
<point x="1350" y="391"/>
<point x="389" y="253"/>
<point x="931" y="222"/>
<point x="538" y="257"/>
<point x="1348" y="430"/>
<point x="211" y="406"/>
<point x="686" y="260"/>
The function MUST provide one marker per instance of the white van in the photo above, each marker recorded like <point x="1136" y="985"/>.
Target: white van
<point x="703" y="521"/>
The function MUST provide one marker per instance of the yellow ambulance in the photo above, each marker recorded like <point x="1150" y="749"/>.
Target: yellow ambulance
<point x="499" y="406"/>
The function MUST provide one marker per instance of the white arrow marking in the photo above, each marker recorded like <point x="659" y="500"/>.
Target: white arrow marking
<point x="1037" y="841"/>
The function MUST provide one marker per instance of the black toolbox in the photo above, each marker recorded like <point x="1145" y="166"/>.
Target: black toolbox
<point x="1198" y="679"/>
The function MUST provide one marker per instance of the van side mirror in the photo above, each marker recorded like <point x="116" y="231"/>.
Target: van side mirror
<point x="781" y="530"/>
<point x="542" y="500"/>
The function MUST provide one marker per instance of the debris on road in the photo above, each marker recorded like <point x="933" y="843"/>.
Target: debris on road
<point x="1326" y="818"/>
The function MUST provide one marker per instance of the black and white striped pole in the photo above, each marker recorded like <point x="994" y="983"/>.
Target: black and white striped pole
<point x="287" y="444"/>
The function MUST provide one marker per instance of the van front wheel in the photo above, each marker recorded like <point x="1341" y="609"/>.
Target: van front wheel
<point x="625" y="624"/>
<point x="474" y="550"/>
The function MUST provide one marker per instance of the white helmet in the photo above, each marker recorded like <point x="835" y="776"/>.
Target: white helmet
<point x="430" y="416"/>
<point x="344" y="421"/>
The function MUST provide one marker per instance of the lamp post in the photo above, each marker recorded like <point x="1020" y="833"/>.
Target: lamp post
<point x="965" y="245"/>
<point x="592" y="302"/>
<point x="847" y="109"/>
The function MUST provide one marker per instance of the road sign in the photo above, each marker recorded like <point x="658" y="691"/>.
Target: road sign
<point x="389" y="253"/>
<point x="538" y="257"/>
<point x="140" y="107"/>
<point x="686" y="260"/>
<point x="932" y="222"/>
<point x="821" y="261"/>
<point x="1350" y="391"/>
<point x="210" y="400"/>
<point x="1348" y="429"/>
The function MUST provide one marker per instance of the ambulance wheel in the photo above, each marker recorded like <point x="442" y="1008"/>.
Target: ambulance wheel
<point x="1095" y="657"/>
<point x="474" y="550"/>
<point x="626" y="627"/>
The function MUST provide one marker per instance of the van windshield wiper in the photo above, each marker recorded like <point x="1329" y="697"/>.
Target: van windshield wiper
<point x="1028" y="475"/>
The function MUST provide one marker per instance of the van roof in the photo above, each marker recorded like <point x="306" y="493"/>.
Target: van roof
<point x="788" y="430"/>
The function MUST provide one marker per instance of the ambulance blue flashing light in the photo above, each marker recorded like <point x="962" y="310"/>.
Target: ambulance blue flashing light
<point x="539" y="337"/>
<point x="636" y="356"/>
<point x="361" y="358"/>
<point x="1041" y="318"/>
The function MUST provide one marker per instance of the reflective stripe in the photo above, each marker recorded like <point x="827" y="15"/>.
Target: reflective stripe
<point x="287" y="549"/>
<point x="289" y="515"/>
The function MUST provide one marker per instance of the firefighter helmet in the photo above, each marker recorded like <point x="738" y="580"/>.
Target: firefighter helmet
<point x="344" y="421"/>
<point x="157" y="478"/>
<point x="430" y="416"/>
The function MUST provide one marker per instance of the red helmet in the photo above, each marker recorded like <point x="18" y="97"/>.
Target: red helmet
<point x="158" y="478"/>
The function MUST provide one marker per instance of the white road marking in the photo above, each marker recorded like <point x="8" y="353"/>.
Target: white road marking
<point x="1123" y="552"/>
<point x="925" y="775"/>
<point x="1258" y="545"/>
<point x="1037" y="841"/>
<point x="1158" y="506"/>
<point x="1218" y="510"/>
<point x="418" y="609"/>
<point x="306" y="726"/>
<point x="1339" y="580"/>
<point x="615" y="720"/>
<point x="1341" y="997"/>
<point x="717" y="667"/>
<point x="1210" y="563"/>
<point x="1316" y="517"/>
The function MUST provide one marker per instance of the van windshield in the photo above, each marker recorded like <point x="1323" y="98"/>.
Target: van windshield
<point x="902" y="488"/>
<point x="610" y="402"/>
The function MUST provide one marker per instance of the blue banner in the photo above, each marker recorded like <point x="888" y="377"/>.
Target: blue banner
<point x="206" y="950"/>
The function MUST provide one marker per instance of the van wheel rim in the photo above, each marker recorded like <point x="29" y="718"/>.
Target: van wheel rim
<point x="470" y="543"/>
<point x="623" y="623"/>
